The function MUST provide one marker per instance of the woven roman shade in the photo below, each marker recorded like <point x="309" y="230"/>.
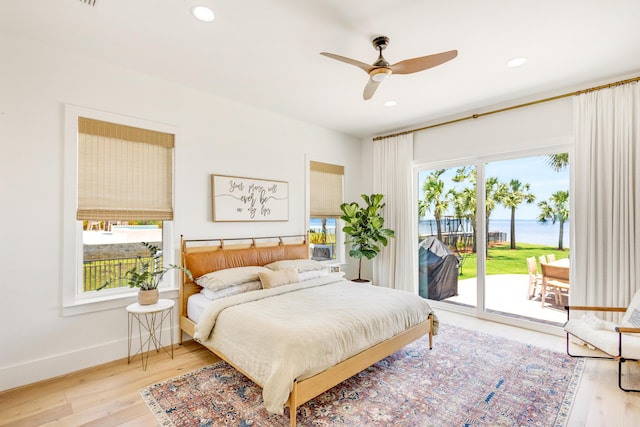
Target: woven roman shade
<point x="124" y="172"/>
<point x="326" y="190"/>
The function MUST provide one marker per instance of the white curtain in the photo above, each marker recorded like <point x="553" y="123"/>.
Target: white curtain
<point x="395" y="266"/>
<point x="605" y="243"/>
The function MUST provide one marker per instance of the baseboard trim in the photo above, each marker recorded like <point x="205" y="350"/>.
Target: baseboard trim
<point x="32" y="371"/>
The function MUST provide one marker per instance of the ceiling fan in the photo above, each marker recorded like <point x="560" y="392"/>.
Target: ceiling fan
<point x="381" y="69"/>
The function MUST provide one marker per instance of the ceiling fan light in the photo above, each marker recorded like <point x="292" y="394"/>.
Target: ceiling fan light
<point x="379" y="74"/>
<point x="203" y="13"/>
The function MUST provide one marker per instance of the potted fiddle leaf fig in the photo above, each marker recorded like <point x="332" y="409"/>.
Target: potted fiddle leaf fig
<point x="364" y="227"/>
<point x="146" y="275"/>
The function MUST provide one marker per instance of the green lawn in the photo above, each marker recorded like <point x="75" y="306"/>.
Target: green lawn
<point x="502" y="260"/>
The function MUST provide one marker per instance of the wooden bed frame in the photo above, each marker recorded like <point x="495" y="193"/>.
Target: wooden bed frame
<point x="202" y="256"/>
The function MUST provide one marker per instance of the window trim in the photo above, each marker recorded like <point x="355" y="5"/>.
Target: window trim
<point x="73" y="300"/>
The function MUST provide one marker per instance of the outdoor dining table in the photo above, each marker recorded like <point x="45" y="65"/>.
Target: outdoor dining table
<point x="562" y="262"/>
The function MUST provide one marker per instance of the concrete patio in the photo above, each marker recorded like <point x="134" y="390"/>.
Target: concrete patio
<point x="507" y="293"/>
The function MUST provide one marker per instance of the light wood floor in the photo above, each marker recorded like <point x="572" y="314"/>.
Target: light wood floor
<point x="108" y="395"/>
<point x="105" y="395"/>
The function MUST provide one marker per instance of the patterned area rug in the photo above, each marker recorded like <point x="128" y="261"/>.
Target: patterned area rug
<point x="467" y="379"/>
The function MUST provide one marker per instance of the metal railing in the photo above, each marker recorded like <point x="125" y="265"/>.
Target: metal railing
<point x="97" y="273"/>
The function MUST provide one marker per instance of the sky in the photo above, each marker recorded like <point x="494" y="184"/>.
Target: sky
<point x="535" y="171"/>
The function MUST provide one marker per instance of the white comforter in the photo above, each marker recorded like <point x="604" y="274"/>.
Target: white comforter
<point x="296" y="331"/>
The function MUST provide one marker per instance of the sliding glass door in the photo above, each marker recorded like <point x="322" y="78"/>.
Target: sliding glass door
<point x="527" y="205"/>
<point x="447" y="238"/>
<point x="476" y="244"/>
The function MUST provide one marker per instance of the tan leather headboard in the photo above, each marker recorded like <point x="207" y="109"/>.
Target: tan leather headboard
<point x="205" y="260"/>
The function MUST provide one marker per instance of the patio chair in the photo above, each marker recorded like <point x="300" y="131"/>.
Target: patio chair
<point x="535" y="279"/>
<point x="556" y="279"/>
<point x="543" y="259"/>
<point x="551" y="258"/>
<point x="619" y="342"/>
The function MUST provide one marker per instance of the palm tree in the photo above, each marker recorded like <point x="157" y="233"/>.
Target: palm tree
<point x="555" y="209"/>
<point x="494" y="193"/>
<point x="516" y="194"/>
<point x="422" y="208"/>
<point x="465" y="200"/>
<point x="464" y="204"/>
<point x="436" y="199"/>
<point x="558" y="161"/>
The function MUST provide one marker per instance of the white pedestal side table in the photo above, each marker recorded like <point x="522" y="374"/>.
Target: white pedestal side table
<point x="150" y="319"/>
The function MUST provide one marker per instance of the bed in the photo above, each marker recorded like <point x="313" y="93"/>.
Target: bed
<point x="299" y="330"/>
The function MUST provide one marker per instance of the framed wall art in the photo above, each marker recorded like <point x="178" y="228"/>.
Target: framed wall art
<point x="249" y="199"/>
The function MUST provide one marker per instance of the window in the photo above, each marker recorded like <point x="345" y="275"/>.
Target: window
<point x="119" y="194"/>
<point x="322" y="237"/>
<point x="326" y="196"/>
<point x="124" y="193"/>
<point x="110" y="248"/>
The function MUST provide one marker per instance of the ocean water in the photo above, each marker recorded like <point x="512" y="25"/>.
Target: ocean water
<point x="527" y="231"/>
<point x="532" y="231"/>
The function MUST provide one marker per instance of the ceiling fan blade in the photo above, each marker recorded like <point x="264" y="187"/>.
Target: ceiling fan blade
<point x="362" y="65"/>
<point x="370" y="89"/>
<point x="414" y="65"/>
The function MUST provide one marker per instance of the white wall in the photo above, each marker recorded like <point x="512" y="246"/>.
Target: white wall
<point x="216" y="136"/>
<point x="533" y="127"/>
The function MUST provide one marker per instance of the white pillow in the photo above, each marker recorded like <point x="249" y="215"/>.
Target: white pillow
<point x="228" y="277"/>
<point x="231" y="290"/>
<point x="272" y="279"/>
<point x="313" y="274"/>
<point x="299" y="264"/>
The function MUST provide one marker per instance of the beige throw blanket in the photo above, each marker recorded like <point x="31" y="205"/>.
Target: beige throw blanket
<point x="296" y="331"/>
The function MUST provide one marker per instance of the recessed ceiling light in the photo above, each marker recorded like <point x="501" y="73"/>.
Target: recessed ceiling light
<point x="516" y="62"/>
<point x="203" y="13"/>
<point x="390" y="103"/>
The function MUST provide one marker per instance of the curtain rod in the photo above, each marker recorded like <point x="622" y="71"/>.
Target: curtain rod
<point x="526" y="104"/>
